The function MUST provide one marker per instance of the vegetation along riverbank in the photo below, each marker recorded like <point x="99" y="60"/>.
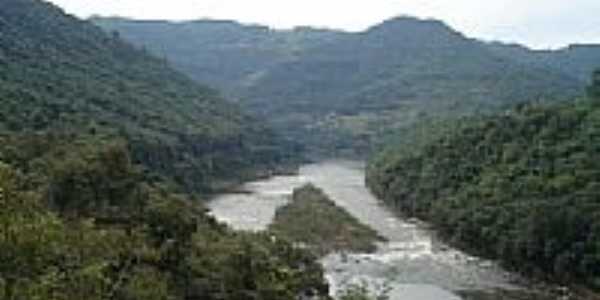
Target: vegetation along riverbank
<point x="520" y="187"/>
<point x="315" y="221"/>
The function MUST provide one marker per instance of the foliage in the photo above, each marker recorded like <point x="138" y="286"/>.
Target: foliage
<point x="521" y="187"/>
<point x="313" y="220"/>
<point x="98" y="143"/>
<point x="577" y="60"/>
<point x="337" y="92"/>
<point x="164" y="247"/>
<point x="594" y="89"/>
<point x="80" y="220"/>
<point x="62" y="76"/>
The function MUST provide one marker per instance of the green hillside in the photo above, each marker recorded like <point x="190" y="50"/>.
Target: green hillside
<point x="345" y="88"/>
<point x="63" y="76"/>
<point x="97" y="142"/>
<point x="223" y="54"/>
<point x="99" y="232"/>
<point x="521" y="186"/>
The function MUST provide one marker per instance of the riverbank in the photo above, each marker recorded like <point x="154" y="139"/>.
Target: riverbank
<point x="414" y="264"/>
<point x="238" y="185"/>
<point x="535" y="283"/>
<point x="313" y="220"/>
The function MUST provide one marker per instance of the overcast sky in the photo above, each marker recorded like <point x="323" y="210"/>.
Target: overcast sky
<point x="536" y="23"/>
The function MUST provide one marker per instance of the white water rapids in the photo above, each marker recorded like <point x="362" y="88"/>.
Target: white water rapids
<point x="412" y="263"/>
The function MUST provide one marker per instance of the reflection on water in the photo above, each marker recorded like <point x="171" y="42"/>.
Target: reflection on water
<point x="413" y="264"/>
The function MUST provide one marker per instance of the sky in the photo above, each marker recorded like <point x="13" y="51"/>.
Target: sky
<point x="539" y="24"/>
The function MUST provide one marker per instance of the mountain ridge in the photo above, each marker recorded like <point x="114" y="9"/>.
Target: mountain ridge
<point x="322" y="85"/>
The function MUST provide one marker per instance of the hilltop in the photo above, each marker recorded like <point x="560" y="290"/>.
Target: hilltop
<point x="348" y="89"/>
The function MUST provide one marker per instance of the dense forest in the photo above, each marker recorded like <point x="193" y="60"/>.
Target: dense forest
<point x="103" y="149"/>
<point x="107" y="151"/>
<point x="64" y="80"/>
<point x="577" y="60"/>
<point x="521" y="186"/>
<point x="338" y="92"/>
<point x="124" y="239"/>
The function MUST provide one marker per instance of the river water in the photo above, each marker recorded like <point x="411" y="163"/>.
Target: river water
<point x="413" y="264"/>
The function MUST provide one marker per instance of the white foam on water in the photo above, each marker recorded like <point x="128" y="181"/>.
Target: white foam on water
<point x="412" y="262"/>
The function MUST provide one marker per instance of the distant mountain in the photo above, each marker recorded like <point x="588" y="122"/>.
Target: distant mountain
<point x="577" y="61"/>
<point x="224" y="54"/>
<point x="66" y="77"/>
<point x="399" y="61"/>
<point x="347" y="88"/>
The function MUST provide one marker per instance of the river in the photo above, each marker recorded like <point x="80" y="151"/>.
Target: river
<point x="413" y="264"/>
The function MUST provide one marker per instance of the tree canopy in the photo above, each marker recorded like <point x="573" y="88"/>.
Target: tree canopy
<point x="64" y="76"/>
<point x="522" y="187"/>
<point x="103" y="149"/>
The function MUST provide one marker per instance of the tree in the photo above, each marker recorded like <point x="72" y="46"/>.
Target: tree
<point x="30" y="238"/>
<point x="93" y="179"/>
<point x="594" y="88"/>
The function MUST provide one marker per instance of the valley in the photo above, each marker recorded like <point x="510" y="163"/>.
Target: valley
<point x="214" y="160"/>
<point x="356" y="89"/>
<point x="413" y="262"/>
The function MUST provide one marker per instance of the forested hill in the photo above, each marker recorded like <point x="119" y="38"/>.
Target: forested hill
<point x="346" y="88"/>
<point x="577" y="61"/>
<point x="224" y="54"/>
<point x="64" y="79"/>
<point x="521" y="186"/>
<point x="97" y="142"/>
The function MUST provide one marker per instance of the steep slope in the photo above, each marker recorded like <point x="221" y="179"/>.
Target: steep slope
<point x="402" y="60"/>
<point x="63" y="76"/>
<point x="223" y="54"/>
<point x="345" y="88"/>
<point x="521" y="187"/>
<point x="87" y="124"/>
